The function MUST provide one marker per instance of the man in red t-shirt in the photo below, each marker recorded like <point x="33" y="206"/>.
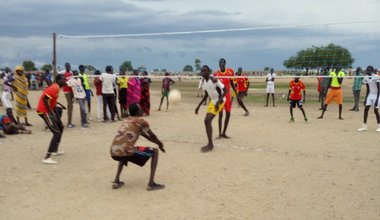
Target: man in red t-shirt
<point x="225" y="75"/>
<point x="48" y="111"/>
<point x="67" y="90"/>
<point x="242" y="88"/>
<point x="296" y="97"/>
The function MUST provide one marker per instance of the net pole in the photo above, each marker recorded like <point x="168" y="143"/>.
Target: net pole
<point x="54" y="55"/>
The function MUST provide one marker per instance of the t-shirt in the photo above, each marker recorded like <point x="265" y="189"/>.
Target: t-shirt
<point x="269" y="77"/>
<point x="123" y="143"/>
<point x="210" y="87"/>
<point x="372" y="83"/>
<point x="296" y="89"/>
<point x="166" y="83"/>
<point x="98" y="86"/>
<point x="242" y="83"/>
<point x="76" y="85"/>
<point x="107" y="83"/>
<point x="52" y="92"/>
<point x="123" y="82"/>
<point x="85" y="81"/>
<point x="66" y="88"/>
<point x="228" y="74"/>
<point x="334" y="78"/>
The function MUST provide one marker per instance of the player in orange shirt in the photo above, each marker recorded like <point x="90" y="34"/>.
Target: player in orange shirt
<point x="296" y="97"/>
<point x="225" y="75"/>
<point x="242" y="88"/>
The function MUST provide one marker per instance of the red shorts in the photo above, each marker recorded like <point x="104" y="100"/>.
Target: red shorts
<point x="227" y="103"/>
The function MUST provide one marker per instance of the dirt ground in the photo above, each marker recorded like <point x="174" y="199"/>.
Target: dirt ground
<point x="269" y="169"/>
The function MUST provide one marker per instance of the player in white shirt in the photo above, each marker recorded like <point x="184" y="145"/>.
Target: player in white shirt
<point x="79" y="95"/>
<point x="216" y="91"/>
<point x="372" y="82"/>
<point x="270" y="85"/>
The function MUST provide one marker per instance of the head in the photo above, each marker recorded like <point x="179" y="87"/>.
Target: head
<point x="121" y="71"/>
<point x="19" y="70"/>
<point x="7" y="70"/>
<point x="222" y="63"/>
<point x="97" y="72"/>
<point x="338" y="68"/>
<point x="135" y="110"/>
<point x="358" y="70"/>
<point x="145" y="73"/>
<point x="135" y="72"/>
<point x="81" y="68"/>
<point x="297" y="77"/>
<point x="240" y="71"/>
<point x="67" y="67"/>
<point x="205" y="72"/>
<point x="109" y="69"/>
<point x="75" y="73"/>
<point x="60" y="80"/>
<point x="271" y="70"/>
<point x="369" y="70"/>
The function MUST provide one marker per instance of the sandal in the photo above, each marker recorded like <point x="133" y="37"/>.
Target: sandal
<point x="155" y="186"/>
<point x="116" y="185"/>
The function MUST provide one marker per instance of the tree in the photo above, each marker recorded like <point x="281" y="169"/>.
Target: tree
<point x="330" y="55"/>
<point x="126" y="66"/>
<point x="188" y="68"/>
<point x="29" y="65"/>
<point x="197" y="64"/>
<point x="47" y="67"/>
<point x="90" y="68"/>
<point x="267" y="68"/>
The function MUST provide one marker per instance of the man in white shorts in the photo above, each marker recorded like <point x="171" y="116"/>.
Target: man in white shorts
<point x="372" y="82"/>
<point x="270" y="85"/>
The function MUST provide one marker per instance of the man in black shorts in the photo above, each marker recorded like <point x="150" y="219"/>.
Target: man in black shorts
<point x="123" y="147"/>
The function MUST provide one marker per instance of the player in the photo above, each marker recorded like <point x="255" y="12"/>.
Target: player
<point x="372" y="82"/>
<point x="123" y="147"/>
<point x="166" y="83"/>
<point x="296" y="97"/>
<point x="225" y="75"/>
<point x="270" y="85"/>
<point x="49" y="112"/>
<point x="216" y="91"/>
<point x="335" y="91"/>
<point x="242" y="88"/>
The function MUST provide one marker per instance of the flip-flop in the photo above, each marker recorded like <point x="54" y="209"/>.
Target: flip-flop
<point x="155" y="187"/>
<point x="116" y="185"/>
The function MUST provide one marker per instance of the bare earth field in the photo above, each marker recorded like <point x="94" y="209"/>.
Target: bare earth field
<point x="269" y="169"/>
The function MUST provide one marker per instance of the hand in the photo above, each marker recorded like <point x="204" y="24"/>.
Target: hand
<point x="216" y="106"/>
<point x="161" y="147"/>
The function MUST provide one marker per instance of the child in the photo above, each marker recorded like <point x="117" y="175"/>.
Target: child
<point x="295" y="88"/>
<point x="166" y="83"/>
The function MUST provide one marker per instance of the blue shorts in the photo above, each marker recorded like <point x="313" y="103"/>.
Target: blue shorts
<point x="88" y="95"/>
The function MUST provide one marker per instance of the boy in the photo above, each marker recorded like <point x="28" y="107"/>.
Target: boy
<point x="270" y="85"/>
<point x="372" y="82"/>
<point x="217" y="92"/>
<point x="123" y="147"/>
<point x="295" y="88"/>
<point x="80" y="95"/>
<point x="166" y="83"/>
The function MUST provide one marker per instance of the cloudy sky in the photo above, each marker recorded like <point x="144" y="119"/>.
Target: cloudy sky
<point x="26" y="29"/>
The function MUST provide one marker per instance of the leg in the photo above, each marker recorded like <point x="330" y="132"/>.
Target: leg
<point x="273" y="99"/>
<point x="377" y="115"/>
<point x="323" y="111"/>
<point x="303" y="113"/>
<point x="162" y="99"/>
<point x="226" y="121"/>
<point x="220" y="119"/>
<point x="118" y="172"/>
<point x="365" y="116"/>
<point x="241" y="97"/>
<point x="69" y="99"/>
<point x="266" y="105"/>
<point x="152" y="185"/>
<point x="291" y="114"/>
<point x="208" y="124"/>
<point x="105" y="103"/>
<point x="167" y="102"/>
<point x="111" y="106"/>
<point x="26" y="122"/>
<point x="340" y="111"/>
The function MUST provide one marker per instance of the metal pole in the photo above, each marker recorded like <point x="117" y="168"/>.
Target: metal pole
<point x="54" y="56"/>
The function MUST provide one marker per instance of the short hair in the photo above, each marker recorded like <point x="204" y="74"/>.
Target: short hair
<point x="59" y="77"/>
<point x="134" y="109"/>
<point x="109" y="69"/>
<point x="222" y="59"/>
<point x="97" y="72"/>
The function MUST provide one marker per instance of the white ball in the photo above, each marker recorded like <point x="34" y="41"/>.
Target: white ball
<point x="175" y="96"/>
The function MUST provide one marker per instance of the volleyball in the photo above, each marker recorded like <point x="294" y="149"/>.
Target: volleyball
<point x="175" y="96"/>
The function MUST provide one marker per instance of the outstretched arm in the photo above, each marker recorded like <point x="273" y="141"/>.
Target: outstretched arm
<point x="200" y="103"/>
<point x="149" y="135"/>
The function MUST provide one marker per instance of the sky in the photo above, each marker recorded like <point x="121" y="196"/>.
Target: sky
<point x="282" y="29"/>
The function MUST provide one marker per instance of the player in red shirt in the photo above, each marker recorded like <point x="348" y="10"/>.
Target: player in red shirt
<point x="296" y="97"/>
<point x="227" y="75"/>
<point x="48" y="111"/>
<point x="242" y="88"/>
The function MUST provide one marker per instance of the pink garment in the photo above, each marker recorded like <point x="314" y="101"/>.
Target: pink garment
<point x="134" y="91"/>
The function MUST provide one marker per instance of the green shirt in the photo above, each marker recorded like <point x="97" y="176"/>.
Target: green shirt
<point x="358" y="82"/>
<point x="334" y="78"/>
<point x="85" y="81"/>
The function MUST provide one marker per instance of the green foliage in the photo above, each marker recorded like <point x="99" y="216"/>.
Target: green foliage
<point x="90" y="68"/>
<point x="197" y="64"/>
<point x="47" y="67"/>
<point x="29" y="65"/>
<point x="267" y="68"/>
<point x="330" y="55"/>
<point x="188" y="68"/>
<point x="126" y="66"/>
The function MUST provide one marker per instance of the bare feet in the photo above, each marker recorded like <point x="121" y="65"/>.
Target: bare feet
<point x="340" y="118"/>
<point x="207" y="148"/>
<point x="320" y="117"/>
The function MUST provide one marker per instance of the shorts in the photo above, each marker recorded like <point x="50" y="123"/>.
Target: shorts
<point x="123" y="96"/>
<point x="242" y="94"/>
<point x="294" y="102"/>
<point x="6" y="100"/>
<point x="88" y="95"/>
<point x="227" y="103"/>
<point x="211" y="108"/>
<point x="371" y="99"/>
<point x="270" y="88"/>
<point x="334" y="94"/>
<point x="165" y="93"/>
<point x="140" y="157"/>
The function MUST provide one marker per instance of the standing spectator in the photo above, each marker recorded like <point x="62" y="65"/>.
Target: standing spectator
<point x="108" y="79"/>
<point x="165" y="89"/>
<point x="324" y="85"/>
<point x="145" y="93"/>
<point x="242" y="88"/>
<point x="98" y="91"/>
<point x="122" y="82"/>
<point x="372" y="82"/>
<point x="134" y="89"/>
<point x="270" y="85"/>
<point x="79" y="95"/>
<point x="356" y="88"/>
<point x="20" y="84"/>
<point x="6" y="97"/>
<point x="67" y="90"/>
<point x="335" y="91"/>
<point x="84" y="78"/>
